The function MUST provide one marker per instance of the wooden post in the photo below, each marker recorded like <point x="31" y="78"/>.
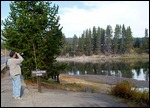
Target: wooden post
<point x="39" y="83"/>
<point x="38" y="74"/>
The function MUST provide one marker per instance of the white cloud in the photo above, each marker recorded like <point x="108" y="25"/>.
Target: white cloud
<point x="134" y="14"/>
<point x="86" y="14"/>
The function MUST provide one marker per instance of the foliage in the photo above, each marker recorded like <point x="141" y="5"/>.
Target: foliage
<point x="123" y="89"/>
<point x="33" y="28"/>
<point x="145" y="43"/>
<point x="100" y="41"/>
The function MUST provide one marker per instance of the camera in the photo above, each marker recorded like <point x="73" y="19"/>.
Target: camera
<point x="21" y="54"/>
<point x="16" y="56"/>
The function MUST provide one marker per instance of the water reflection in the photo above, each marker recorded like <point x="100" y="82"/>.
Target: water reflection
<point x="137" y="70"/>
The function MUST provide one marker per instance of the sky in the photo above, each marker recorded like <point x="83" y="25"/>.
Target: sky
<point x="78" y="16"/>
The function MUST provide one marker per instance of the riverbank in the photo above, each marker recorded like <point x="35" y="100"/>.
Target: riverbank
<point x="107" y="80"/>
<point x="111" y="80"/>
<point x="103" y="58"/>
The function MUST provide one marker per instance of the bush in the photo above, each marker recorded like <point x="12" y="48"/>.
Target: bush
<point x="124" y="90"/>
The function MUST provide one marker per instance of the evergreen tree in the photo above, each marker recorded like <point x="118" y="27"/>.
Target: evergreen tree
<point x="75" y="44"/>
<point x="88" y="43"/>
<point x="64" y="47"/>
<point x="33" y="28"/>
<point x="99" y="40"/>
<point x="81" y="45"/>
<point x="94" y="37"/>
<point x="102" y="39"/>
<point x="108" y="38"/>
<point x="116" y="39"/>
<point x="137" y="43"/>
<point x="128" y="40"/>
<point x="145" y="45"/>
<point x="80" y="48"/>
<point x="122" y="43"/>
<point x="69" y="49"/>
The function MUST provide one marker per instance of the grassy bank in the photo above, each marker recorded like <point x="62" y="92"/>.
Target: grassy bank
<point x="134" y="56"/>
<point x="104" y="58"/>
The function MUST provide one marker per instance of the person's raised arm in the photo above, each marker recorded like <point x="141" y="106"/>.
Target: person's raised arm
<point x="19" y="59"/>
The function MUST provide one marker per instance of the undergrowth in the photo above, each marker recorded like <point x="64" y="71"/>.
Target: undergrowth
<point x="125" y="90"/>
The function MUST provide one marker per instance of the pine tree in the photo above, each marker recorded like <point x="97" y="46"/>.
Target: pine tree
<point x="64" y="47"/>
<point x="75" y="44"/>
<point x="145" y="45"/>
<point x="81" y="45"/>
<point x="108" y="38"/>
<point x="94" y="38"/>
<point x="122" y="43"/>
<point x="137" y="43"/>
<point x="116" y="39"/>
<point x="33" y="28"/>
<point x="128" y="40"/>
<point x="88" y="43"/>
<point x="102" y="39"/>
<point x="99" y="40"/>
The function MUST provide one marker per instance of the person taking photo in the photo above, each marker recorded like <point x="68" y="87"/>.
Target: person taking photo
<point x="15" y="72"/>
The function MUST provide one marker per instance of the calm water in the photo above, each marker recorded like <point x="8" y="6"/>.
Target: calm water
<point x="138" y="70"/>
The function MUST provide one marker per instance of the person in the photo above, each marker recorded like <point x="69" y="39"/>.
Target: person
<point x="15" y="73"/>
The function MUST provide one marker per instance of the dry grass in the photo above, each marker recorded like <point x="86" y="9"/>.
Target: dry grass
<point x="85" y="85"/>
<point x="71" y="83"/>
<point x="124" y="90"/>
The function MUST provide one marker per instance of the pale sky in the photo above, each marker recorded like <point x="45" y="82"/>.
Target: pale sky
<point x="77" y="16"/>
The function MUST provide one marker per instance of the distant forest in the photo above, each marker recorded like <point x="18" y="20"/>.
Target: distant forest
<point x="100" y="41"/>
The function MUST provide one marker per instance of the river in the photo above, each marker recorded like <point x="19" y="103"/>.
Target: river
<point x="138" y="70"/>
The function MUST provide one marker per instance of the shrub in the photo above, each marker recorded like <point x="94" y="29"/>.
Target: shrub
<point x="124" y="90"/>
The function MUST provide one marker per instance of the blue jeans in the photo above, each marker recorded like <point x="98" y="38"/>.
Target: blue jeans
<point x="16" y="81"/>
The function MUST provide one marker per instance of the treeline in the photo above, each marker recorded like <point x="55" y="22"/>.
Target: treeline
<point x="105" y="41"/>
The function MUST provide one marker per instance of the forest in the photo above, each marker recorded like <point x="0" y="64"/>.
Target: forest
<point x="100" y="41"/>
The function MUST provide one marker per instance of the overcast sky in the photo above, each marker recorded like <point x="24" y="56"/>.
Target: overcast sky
<point x="77" y="16"/>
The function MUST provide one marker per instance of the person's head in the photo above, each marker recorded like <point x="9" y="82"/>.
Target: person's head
<point x="12" y="54"/>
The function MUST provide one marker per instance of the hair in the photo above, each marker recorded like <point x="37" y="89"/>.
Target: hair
<point x="12" y="53"/>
